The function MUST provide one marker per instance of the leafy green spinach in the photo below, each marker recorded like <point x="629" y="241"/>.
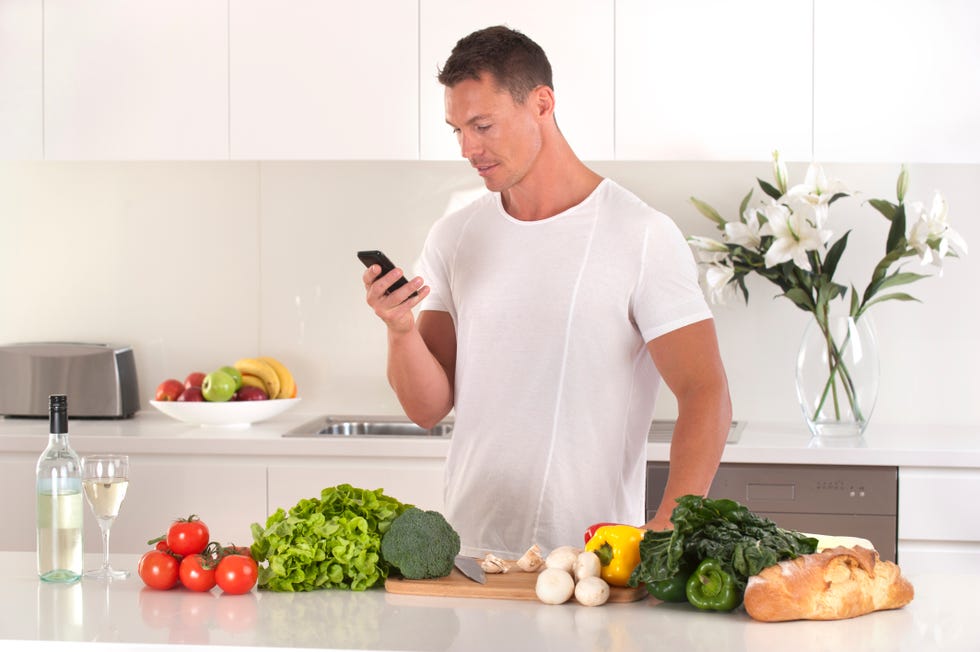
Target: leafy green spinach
<point x="743" y="542"/>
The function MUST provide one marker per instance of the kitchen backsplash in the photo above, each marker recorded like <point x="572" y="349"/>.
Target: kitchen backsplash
<point x="197" y="264"/>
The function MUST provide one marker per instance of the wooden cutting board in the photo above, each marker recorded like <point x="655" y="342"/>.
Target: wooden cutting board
<point x="514" y="585"/>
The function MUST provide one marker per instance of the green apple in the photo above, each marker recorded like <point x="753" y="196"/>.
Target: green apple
<point x="218" y="386"/>
<point x="235" y="374"/>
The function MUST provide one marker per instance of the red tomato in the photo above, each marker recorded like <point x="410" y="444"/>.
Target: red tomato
<point x="188" y="536"/>
<point x="196" y="573"/>
<point x="236" y="574"/>
<point x="158" y="570"/>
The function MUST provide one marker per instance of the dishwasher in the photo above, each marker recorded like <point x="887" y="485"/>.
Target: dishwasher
<point x="858" y="501"/>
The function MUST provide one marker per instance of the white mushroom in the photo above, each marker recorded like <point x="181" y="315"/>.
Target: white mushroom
<point x="562" y="558"/>
<point x="554" y="586"/>
<point x="532" y="559"/>
<point x="592" y="591"/>
<point x="587" y="564"/>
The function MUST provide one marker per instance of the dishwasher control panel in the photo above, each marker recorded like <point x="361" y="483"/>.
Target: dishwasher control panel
<point x="859" y="501"/>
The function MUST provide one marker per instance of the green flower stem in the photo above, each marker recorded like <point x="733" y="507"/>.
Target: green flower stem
<point x="836" y="364"/>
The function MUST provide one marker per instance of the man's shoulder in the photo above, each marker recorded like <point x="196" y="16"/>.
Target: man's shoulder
<point x="624" y="204"/>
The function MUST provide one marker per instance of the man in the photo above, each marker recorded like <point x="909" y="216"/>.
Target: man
<point x="554" y="306"/>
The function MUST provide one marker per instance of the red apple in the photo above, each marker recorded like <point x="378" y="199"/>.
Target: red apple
<point x="251" y="393"/>
<point x="191" y="394"/>
<point x="194" y="379"/>
<point x="169" y="390"/>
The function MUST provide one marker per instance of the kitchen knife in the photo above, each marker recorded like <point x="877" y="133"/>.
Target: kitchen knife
<point x="471" y="569"/>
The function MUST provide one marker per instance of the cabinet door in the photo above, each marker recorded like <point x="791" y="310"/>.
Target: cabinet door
<point x="227" y="495"/>
<point x="713" y="80"/>
<point x="415" y="481"/>
<point x="324" y="80"/>
<point x="897" y="84"/>
<point x="21" y="25"/>
<point x="136" y="79"/>
<point x="577" y="36"/>
<point x="17" y="482"/>
<point x="936" y="527"/>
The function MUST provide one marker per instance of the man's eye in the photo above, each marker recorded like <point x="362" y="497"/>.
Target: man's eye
<point x="455" y="131"/>
<point x="483" y="128"/>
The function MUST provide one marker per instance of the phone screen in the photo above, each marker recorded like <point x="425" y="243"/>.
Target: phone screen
<point x="376" y="257"/>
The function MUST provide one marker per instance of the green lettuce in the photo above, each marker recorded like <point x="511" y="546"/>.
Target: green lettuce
<point x="329" y="542"/>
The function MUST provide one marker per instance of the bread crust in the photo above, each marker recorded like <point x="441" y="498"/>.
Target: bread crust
<point x="830" y="585"/>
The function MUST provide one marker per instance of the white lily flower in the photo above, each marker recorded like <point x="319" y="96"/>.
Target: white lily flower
<point x="745" y="233"/>
<point x="709" y="251"/>
<point x="780" y="172"/>
<point x="816" y="191"/>
<point x="718" y="279"/>
<point x="929" y="234"/>
<point x="794" y="236"/>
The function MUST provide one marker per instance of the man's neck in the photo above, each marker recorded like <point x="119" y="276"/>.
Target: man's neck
<point x="558" y="181"/>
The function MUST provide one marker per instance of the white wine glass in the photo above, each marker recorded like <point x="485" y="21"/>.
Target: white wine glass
<point x="105" y="479"/>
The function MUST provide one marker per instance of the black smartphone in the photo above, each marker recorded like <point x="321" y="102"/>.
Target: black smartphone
<point x="375" y="257"/>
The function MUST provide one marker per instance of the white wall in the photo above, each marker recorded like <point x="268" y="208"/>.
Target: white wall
<point x="197" y="264"/>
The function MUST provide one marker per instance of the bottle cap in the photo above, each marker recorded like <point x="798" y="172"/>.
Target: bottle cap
<point x="58" y="401"/>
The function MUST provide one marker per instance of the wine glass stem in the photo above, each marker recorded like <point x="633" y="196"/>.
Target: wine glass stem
<point x="104" y="525"/>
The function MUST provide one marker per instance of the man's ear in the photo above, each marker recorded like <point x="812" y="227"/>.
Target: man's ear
<point x="543" y="101"/>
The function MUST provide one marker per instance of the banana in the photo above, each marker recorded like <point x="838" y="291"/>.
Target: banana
<point x="254" y="381"/>
<point x="261" y="370"/>
<point x="287" y="386"/>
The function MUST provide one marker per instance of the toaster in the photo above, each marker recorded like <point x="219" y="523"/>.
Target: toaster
<point x="99" y="379"/>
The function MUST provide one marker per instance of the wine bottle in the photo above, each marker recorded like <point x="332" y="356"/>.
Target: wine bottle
<point x="59" y="501"/>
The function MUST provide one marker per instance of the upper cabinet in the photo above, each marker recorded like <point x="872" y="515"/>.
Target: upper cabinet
<point x="136" y="79"/>
<point x="831" y="80"/>
<point x="324" y="80"/>
<point x="577" y="36"/>
<point x="713" y="80"/>
<point x="897" y="82"/>
<point x="21" y="134"/>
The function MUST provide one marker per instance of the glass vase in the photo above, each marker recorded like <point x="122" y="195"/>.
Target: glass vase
<point x="837" y="374"/>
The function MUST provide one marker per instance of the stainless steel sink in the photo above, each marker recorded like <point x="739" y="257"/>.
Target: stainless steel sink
<point x="331" y="425"/>
<point x="662" y="430"/>
<point x="367" y="426"/>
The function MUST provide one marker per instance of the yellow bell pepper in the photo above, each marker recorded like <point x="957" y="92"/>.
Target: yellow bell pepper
<point x="618" y="549"/>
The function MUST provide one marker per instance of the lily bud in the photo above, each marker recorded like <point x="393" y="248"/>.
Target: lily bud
<point x="779" y="171"/>
<point x="903" y="183"/>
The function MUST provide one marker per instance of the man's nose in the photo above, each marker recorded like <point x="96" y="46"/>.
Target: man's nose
<point x="468" y="144"/>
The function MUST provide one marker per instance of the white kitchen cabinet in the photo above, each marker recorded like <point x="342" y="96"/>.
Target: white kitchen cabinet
<point x="713" y="80"/>
<point x="897" y="82"/>
<point x="937" y="524"/>
<point x="577" y="36"/>
<point x="418" y="481"/>
<point x="21" y="134"/>
<point x="323" y="80"/>
<point x="228" y="494"/>
<point x="136" y="79"/>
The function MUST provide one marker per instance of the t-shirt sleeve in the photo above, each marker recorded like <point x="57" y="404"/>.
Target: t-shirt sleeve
<point x="434" y="268"/>
<point x="668" y="295"/>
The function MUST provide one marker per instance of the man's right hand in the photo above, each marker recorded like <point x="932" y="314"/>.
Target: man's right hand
<point x="394" y="309"/>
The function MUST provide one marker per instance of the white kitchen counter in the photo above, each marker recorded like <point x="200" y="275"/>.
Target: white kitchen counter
<point x="124" y="615"/>
<point x="763" y="443"/>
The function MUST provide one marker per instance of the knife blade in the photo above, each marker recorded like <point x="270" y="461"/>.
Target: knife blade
<point x="471" y="569"/>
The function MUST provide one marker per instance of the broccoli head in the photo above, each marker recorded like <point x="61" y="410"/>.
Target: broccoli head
<point x="420" y="544"/>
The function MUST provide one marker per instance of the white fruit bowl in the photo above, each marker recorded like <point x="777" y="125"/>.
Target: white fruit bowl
<point x="233" y="414"/>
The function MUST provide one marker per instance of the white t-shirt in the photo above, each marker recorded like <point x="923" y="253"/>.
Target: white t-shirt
<point x="555" y="388"/>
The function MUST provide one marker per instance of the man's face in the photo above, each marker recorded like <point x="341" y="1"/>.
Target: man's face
<point x="499" y="137"/>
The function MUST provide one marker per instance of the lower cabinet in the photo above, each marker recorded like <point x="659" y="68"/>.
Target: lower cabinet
<point x="417" y="481"/>
<point x="937" y="524"/>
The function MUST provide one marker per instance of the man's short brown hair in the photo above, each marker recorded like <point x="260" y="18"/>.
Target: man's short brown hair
<point x="518" y="64"/>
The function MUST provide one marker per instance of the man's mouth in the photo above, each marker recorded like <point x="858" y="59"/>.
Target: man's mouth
<point x="484" y="168"/>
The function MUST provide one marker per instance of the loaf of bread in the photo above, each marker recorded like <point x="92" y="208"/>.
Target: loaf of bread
<point x="830" y="585"/>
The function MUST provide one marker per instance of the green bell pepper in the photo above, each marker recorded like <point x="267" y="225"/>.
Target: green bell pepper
<point x="711" y="587"/>
<point x="672" y="589"/>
